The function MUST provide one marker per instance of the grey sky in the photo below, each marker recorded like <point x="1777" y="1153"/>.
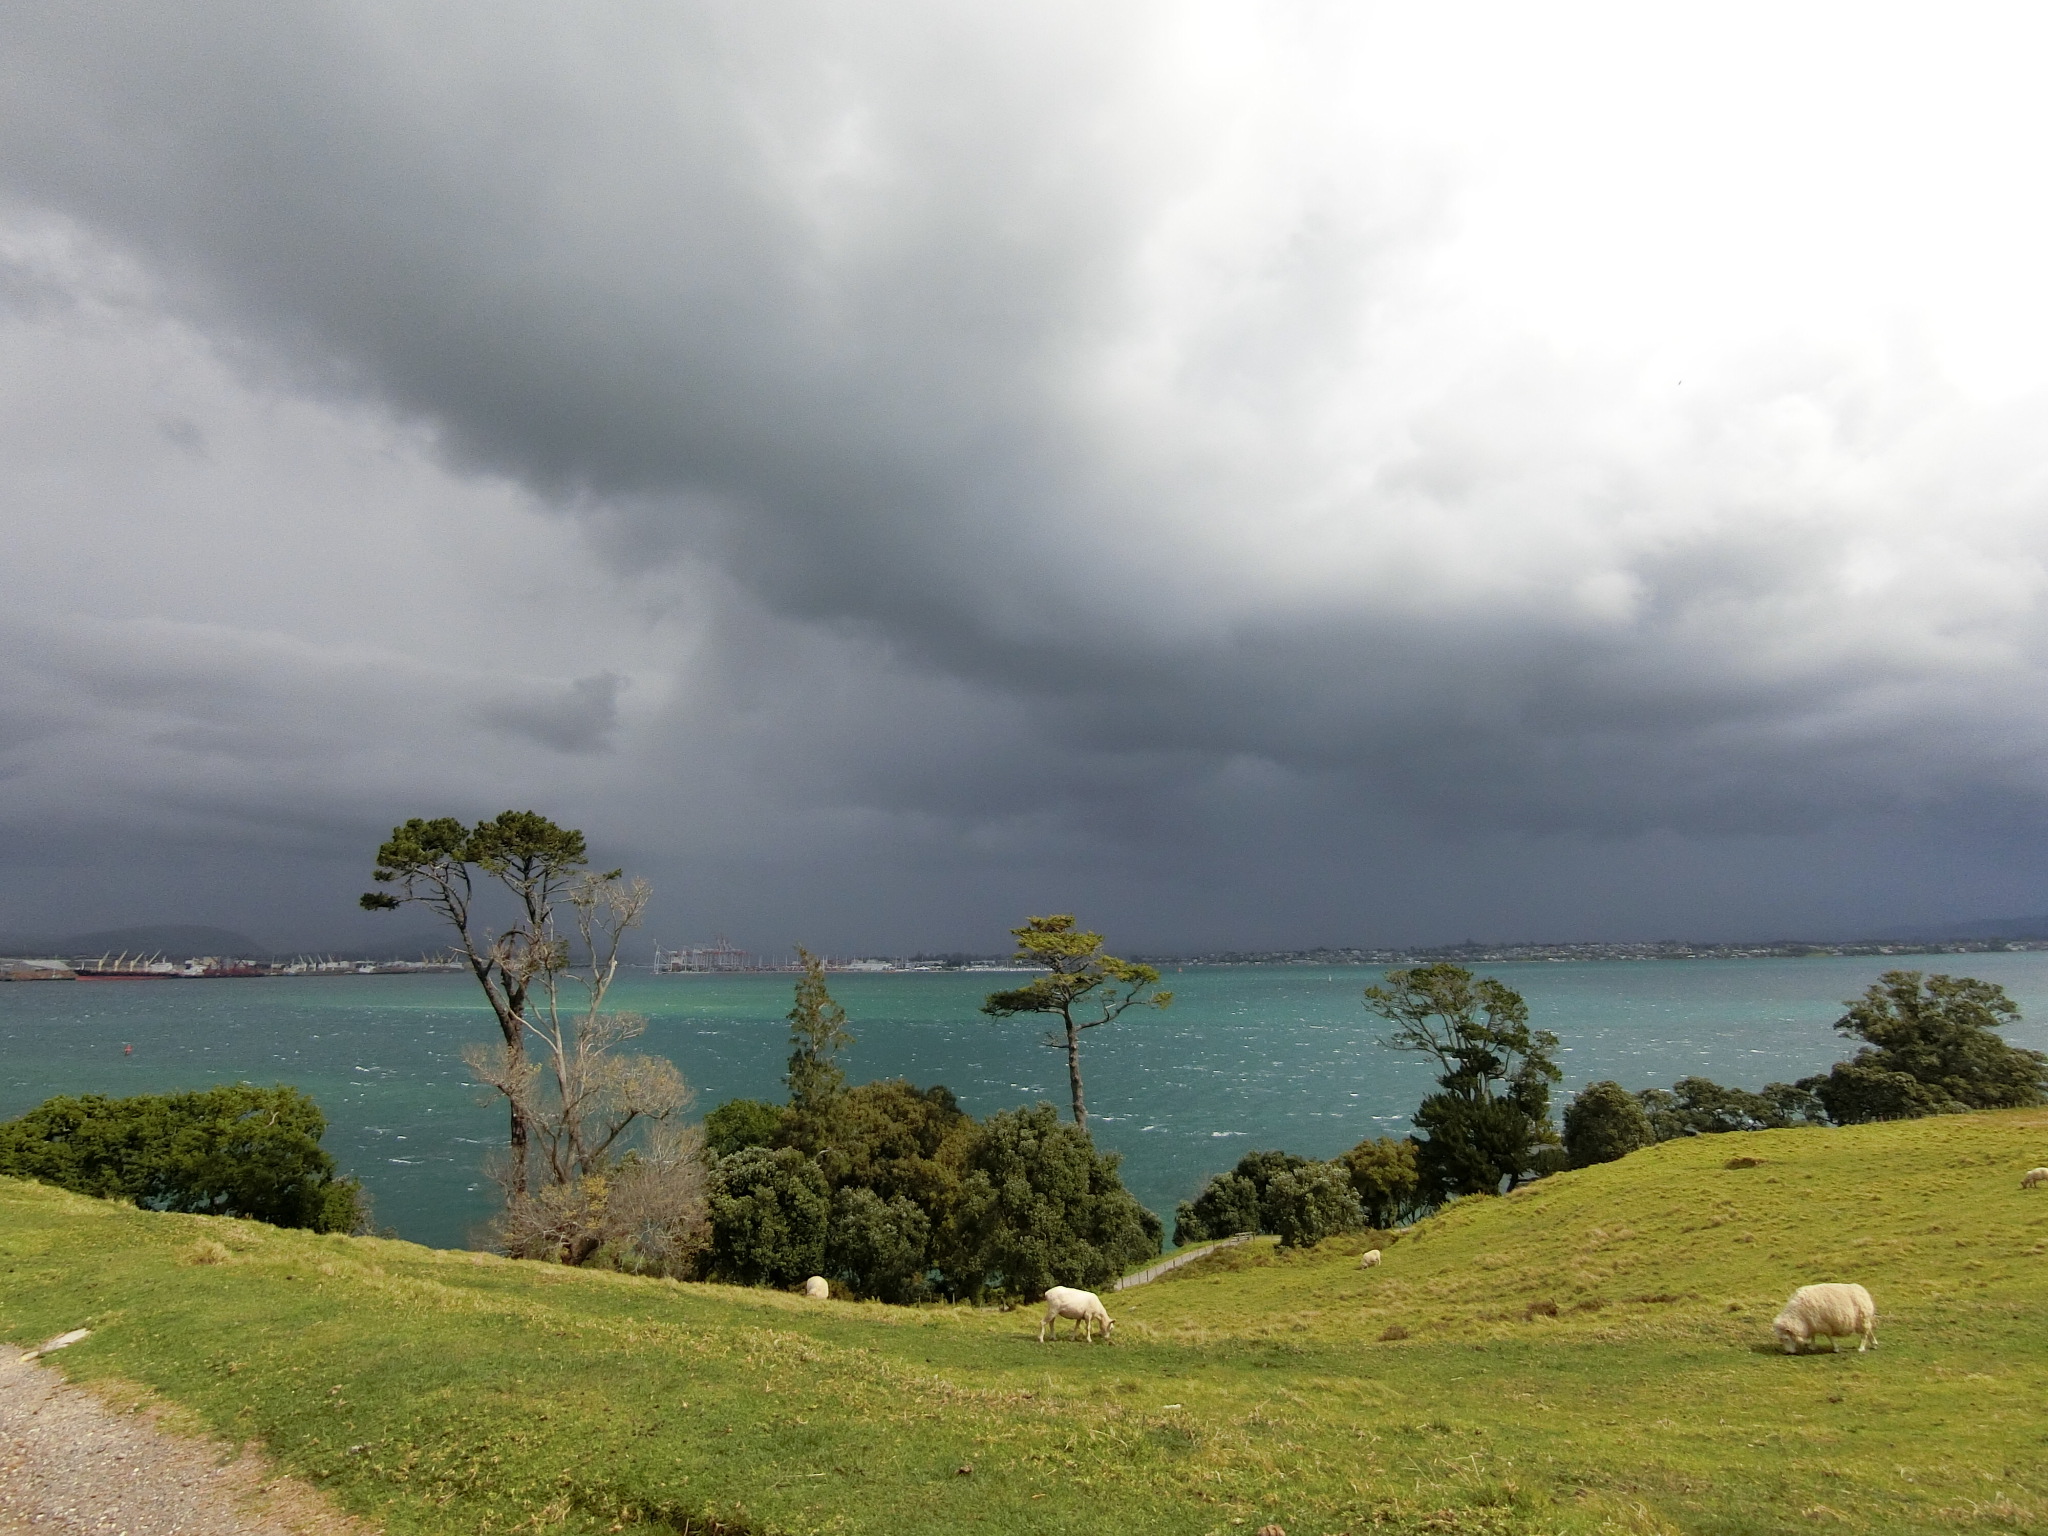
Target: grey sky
<point x="1251" y="474"/>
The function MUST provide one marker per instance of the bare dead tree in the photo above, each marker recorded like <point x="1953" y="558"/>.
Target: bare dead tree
<point x="613" y="1164"/>
<point x="647" y="1211"/>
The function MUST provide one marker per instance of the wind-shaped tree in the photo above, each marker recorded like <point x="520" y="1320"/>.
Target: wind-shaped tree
<point x="598" y="1153"/>
<point x="1931" y="1050"/>
<point x="1493" y="1070"/>
<point x="435" y="864"/>
<point x="1083" y="988"/>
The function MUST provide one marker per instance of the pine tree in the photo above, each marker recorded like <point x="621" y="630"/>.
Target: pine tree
<point x="817" y="1033"/>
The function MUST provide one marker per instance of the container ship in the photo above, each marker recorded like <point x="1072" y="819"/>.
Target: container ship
<point x="157" y="968"/>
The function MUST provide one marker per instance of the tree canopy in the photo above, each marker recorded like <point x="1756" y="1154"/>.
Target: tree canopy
<point x="1312" y="1202"/>
<point x="739" y="1123"/>
<point x="1236" y="1201"/>
<point x="1039" y="1207"/>
<point x="234" y="1150"/>
<point x="817" y="1034"/>
<point x="1931" y="1048"/>
<point x="1698" y="1106"/>
<point x="434" y="863"/>
<point x="879" y="1247"/>
<point x="770" y="1211"/>
<point x="1083" y="988"/>
<point x="1301" y="1201"/>
<point x="1491" y="1117"/>
<point x="1603" y="1123"/>
<point x="1386" y="1179"/>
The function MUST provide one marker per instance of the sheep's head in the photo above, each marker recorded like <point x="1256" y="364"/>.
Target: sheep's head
<point x="1787" y="1333"/>
<point x="1108" y="1324"/>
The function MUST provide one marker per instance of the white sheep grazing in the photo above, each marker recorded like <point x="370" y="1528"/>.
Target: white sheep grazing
<point x="2034" y="1176"/>
<point x="1369" y="1258"/>
<point x="1833" y="1311"/>
<point x="1084" y="1307"/>
<point x="816" y="1288"/>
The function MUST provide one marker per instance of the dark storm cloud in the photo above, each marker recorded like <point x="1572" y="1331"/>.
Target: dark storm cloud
<point x="1060" y="430"/>
<point x="578" y="718"/>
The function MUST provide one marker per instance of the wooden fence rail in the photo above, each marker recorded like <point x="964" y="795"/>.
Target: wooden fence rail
<point x="1186" y="1256"/>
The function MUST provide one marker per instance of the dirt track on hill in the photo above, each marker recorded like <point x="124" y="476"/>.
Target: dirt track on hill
<point x="71" y="1465"/>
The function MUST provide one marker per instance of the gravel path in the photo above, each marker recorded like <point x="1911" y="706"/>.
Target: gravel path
<point x="70" y="1465"/>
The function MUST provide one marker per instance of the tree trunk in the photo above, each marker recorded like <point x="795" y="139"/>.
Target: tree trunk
<point x="516" y="1133"/>
<point x="517" y="1137"/>
<point x="1074" y="1074"/>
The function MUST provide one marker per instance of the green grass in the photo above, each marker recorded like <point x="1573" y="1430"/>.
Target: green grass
<point x="445" y="1392"/>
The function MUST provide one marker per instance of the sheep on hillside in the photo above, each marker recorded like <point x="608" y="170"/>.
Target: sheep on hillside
<point x="1830" y="1311"/>
<point x="1084" y="1307"/>
<point x="816" y="1288"/>
<point x="1369" y="1258"/>
<point x="2033" y="1176"/>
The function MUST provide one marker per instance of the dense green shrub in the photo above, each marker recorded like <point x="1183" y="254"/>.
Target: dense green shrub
<point x="878" y="1247"/>
<point x="1039" y="1207"/>
<point x="770" y="1210"/>
<point x="906" y="1147"/>
<point x="893" y="1138"/>
<point x="1312" y="1202"/>
<point x="1296" y="1200"/>
<point x="1857" y="1091"/>
<point x="222" y="1152"/>
<point x="1931" y="1049"/>
<point x="1387" y="1180"/>
<point x="1233" y="1202"/>
<point x="741" y="1123"/>
<point x="235" y="1150"/>
<point x="1696" y="1106"/>
<point x="889" y="1188"/>
<point x="1603" y="1123"/>
<point x="1227" y="1205"/>
<point x="1472" y="1146"/>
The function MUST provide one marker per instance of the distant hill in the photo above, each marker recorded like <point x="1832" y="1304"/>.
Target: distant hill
<point x="175" y="941"/>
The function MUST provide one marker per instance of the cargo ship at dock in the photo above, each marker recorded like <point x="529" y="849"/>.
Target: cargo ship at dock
<point x="157" y="968"/>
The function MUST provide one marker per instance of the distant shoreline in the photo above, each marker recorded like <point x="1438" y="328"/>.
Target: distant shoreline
<point x="1470" y="954"/>
<point x="26" y="969"/>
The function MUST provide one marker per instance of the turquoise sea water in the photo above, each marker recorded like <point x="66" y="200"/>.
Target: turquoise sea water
<point x="1246" y="1057"/>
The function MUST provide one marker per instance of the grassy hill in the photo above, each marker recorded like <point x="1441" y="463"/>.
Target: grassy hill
<point x="1591" y="1354"/>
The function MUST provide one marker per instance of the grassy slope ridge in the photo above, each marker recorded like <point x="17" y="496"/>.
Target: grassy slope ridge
<point x="443" y="1392"/>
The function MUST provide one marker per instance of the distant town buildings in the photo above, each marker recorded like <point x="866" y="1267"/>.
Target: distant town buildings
<point x="720" y="958"/>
